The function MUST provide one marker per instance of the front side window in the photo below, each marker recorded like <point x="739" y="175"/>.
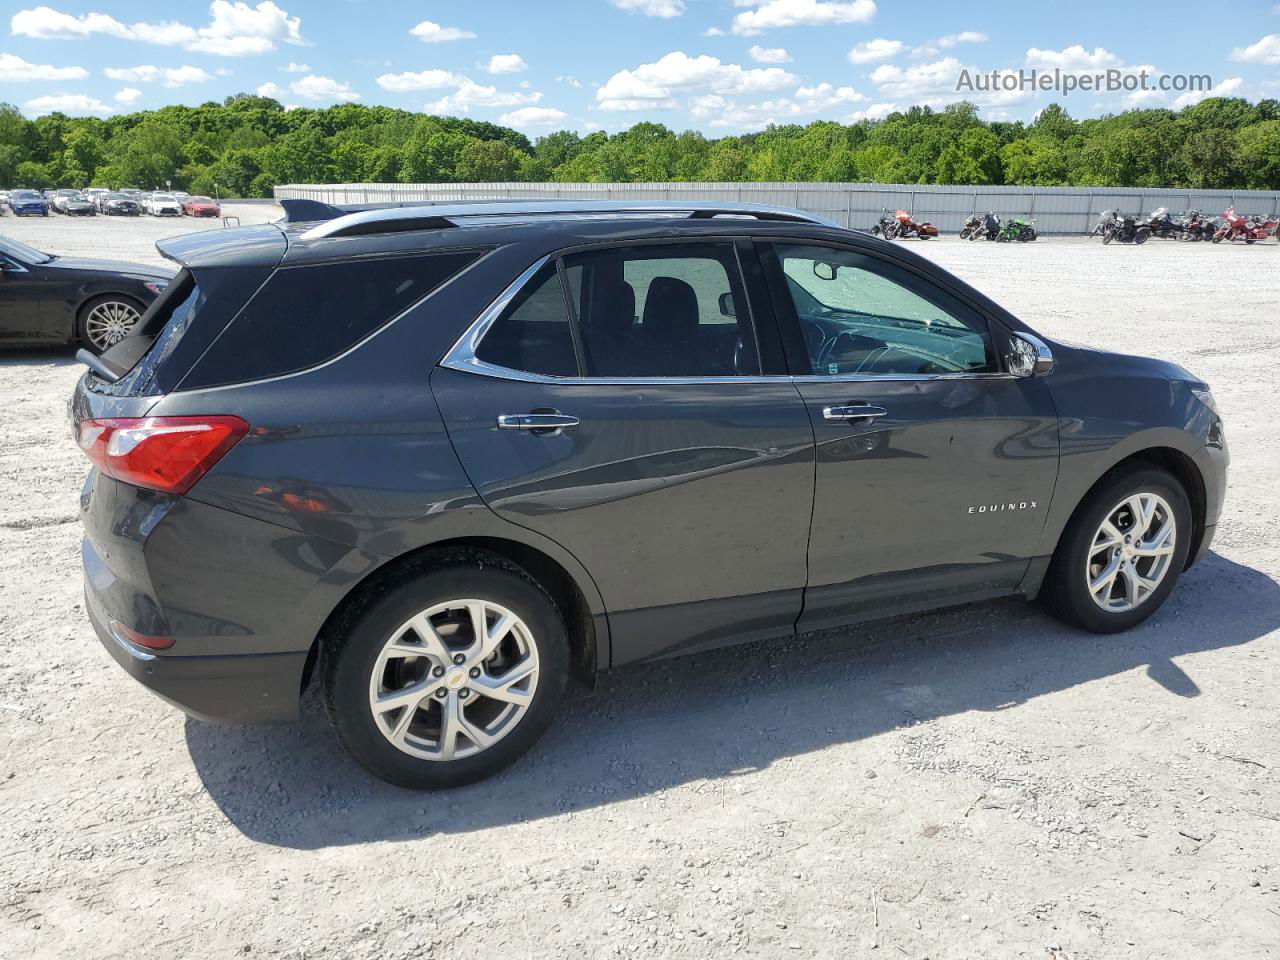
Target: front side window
<point x="662" y="310"/>
<point x="862" y="315"/>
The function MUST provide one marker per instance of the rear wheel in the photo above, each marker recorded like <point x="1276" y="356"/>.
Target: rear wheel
<point x="105" y="321"/>
<point x="1141" y="235"/>
<point x="450" y="675"/>
<point x="1122" y="552"/>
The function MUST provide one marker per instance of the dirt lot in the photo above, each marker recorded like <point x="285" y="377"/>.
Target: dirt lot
<point x="979" y="783"/>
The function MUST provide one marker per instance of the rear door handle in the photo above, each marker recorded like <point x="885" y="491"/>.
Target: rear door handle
<point x="535" y="421"/>
<point x="854" y="411"/>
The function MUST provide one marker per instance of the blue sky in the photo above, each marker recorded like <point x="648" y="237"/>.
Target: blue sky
<point x="719" y="66"/>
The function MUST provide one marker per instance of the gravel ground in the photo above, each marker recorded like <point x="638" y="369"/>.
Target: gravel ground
<point x="976" y="783"/>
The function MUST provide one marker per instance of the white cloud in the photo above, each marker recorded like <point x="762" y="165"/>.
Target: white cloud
<point x="75" y="104"/>
<point x="769" y="54"/>
<point x="169" y="76"/>
<point x="470" y="94"/>
<point x="270" y="89"/>
<point x="710" y="32"/>
<point x="234" y="29"/>
<point x="505" y="63"/>
<point x="1227" y="88"/>
<point x="877" y="111"/>
<point x="570" y="80"/>
<point x="806" y="102"/>
<point x="1266" y="50"/>
<point x="296" y="68"/>
<point x="429" y="32"/>
<point x="871" y="51"/>
<point x="934" y="84"/>
<point x="426" y="80"/>
<point x="529" y="117"/>
<point x="770" y="14"/>
<point x="313" y="87"/>
<point x="1072" y="58"/>
<point x="652" y="8"/>
<point x="678" y="73"/>
<point x="964" y="36"/>
<point x="127" y="95"/>
<point x="14" y="69"/>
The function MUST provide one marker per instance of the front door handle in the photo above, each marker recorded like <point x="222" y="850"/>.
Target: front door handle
<point x="854" y="411"/>
<point x="535" y="421"/>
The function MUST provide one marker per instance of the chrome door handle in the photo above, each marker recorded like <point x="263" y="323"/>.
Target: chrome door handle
<point x="535" y="421"/>
<point x="854" y="411"/>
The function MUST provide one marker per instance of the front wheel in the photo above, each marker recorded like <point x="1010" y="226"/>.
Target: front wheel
<point x="450" y="675"/>
<point x="1122" y="552"/>
<point x="1142" y="235"/>
<point x="965" y="233"/>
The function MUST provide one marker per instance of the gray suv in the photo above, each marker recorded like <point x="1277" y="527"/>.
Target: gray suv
<point x="440" y="458"/>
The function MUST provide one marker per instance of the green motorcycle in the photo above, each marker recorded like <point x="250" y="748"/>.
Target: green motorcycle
<point x="1016" y="229"/>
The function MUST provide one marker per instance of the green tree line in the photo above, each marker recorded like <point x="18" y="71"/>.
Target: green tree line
<point x="248" y="144"/>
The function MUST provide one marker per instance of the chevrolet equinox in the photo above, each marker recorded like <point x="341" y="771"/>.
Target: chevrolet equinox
<point x="440" y="458"/>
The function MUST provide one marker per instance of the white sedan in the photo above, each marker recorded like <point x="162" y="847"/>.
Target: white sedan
<point x="164" y="205"/>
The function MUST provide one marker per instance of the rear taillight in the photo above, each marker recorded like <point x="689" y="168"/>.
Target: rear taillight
<point x="168" y="454"/>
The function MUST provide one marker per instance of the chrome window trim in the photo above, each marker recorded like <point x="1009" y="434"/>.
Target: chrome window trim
<point x="462" y="358"/>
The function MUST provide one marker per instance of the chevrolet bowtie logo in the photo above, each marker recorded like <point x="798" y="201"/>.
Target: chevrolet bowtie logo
<point x="1001" y="507"/>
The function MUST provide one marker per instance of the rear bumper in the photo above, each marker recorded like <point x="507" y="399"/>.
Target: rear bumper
<point x="237" y="688"/>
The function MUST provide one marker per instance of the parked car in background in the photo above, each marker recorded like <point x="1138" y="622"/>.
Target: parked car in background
<point x="45" y="299"/>
<point x="163" y="205"/>
<point x="78" y="206"/>
<point x="28" y="203"/>
<point x="180" y="196"/>
<point x="120" y="205"/>
<point x="132" y="192"/>
<point x="201" y="207"/>
<point x="60" y="198"/>
<point x="526" y="439"/>
<point x="95" y="195"/>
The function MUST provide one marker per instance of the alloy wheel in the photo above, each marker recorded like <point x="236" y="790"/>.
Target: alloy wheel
<point x="1131" y="552"/>
<point x="110" y="322"/>
<point x="454" y="679"/>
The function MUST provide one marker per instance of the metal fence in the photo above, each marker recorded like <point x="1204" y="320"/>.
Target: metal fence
<point x="856" y="205"/>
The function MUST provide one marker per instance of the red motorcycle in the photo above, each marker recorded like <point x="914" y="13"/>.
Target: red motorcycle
<point x="1239" y="227"/>
<point x="910" y="228"/>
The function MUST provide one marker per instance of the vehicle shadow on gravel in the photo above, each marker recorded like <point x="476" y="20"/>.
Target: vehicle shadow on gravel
<point x="653" y="726"/>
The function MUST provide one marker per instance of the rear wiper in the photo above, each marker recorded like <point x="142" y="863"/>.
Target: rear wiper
<point x="100" y="369"/>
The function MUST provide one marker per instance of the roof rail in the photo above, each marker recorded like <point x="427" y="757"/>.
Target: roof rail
<point x="352" y="221"/>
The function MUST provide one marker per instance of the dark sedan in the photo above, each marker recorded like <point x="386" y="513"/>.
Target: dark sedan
<point x="28" y="203"/>
<point x="80" y="206"/>
<point x="45" y="299"/>
<point x="120" y="205"/>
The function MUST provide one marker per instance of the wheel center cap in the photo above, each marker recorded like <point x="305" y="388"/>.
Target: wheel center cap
<point x="455" y="679"/>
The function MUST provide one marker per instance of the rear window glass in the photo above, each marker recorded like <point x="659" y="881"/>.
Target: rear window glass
<point x="304" y="316"/>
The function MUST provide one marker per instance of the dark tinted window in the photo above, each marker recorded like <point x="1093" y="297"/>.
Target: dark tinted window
<point x="532" y="335"/>
<point x="663" y="310"/>
<point x="304" y="316"/>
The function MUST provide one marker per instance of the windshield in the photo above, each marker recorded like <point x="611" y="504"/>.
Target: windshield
<point x="200" y="199"/>
<point x="25" y="195"/>
<point x="20" y="251"/>
<point x="68" y="193"/>
<point x="162" y="198"/>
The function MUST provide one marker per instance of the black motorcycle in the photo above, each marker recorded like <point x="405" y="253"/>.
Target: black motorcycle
<point x="1162" y="225"/>
<point x="887" y="226"/>
<point x="1120" y="227"/>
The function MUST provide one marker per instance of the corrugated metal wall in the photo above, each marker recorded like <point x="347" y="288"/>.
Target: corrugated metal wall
<point x="857" y="205"/>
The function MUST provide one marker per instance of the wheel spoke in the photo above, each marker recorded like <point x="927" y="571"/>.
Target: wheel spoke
<point x="449" y="726"/>
<point x="1158" y="546"/>
<point x="1108" y="536"/>
<point x="429" y="643"/>
<point x="409" y="696"/>
<point x="503" y="687"/>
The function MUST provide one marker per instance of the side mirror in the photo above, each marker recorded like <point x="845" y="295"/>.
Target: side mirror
<point x="1028" y="356"/>
<point x="727" y="306"/>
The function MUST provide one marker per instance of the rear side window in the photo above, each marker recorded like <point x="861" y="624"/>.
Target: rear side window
<point x="306" y="315"/>
<point x="533" y="333"/>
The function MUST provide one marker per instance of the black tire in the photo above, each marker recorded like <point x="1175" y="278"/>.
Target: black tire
<point x="82" y="316"/>
<point x="351" y="649"/>
<point x="1141" y="235"/>
<point x="964" y="234"/>
<point x="1065" y="592"/>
